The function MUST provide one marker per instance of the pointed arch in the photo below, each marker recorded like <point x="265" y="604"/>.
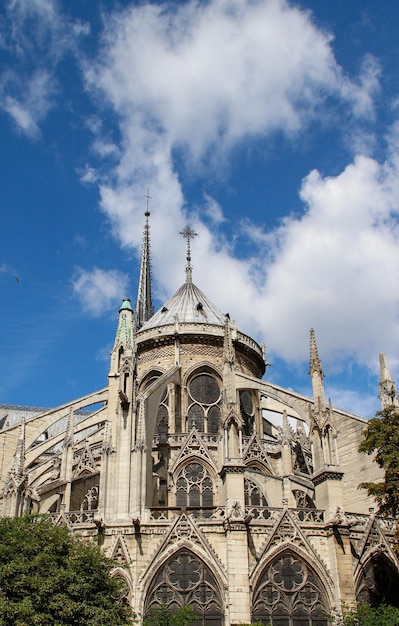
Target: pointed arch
<point x="127" y="591"/>
<point x="289" y="591"/>
<point x="377" y="580"/>
<point x="253" y="493"/>
<point x="204" y="399"/>
<point x="194" y="482"/>
<point x="185" y="578"/>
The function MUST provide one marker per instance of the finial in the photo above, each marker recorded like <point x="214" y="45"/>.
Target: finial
<point x="388" y="394"/>
<point x="188" y="233"/>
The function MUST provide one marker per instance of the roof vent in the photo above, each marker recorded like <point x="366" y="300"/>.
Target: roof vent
<point x="200" y="306"/>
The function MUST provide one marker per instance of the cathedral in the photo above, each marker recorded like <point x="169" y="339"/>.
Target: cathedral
<point x="208" y="485"/>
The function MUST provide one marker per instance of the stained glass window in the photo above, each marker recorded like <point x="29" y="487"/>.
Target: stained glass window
<point x="185" y="579"/>
<point x="204" y="403"/>
<point x="194" y="487"/>
<point x="290" y="594"/>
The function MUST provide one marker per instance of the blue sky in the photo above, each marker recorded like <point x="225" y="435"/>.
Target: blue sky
<point x="271" y="127"/>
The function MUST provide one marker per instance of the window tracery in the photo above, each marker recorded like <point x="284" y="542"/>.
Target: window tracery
<point x="290" y="594"/>
<point x="204" y="397"/>
<point x="186" y="580"/>
<point x="303" y="500"/>
<point x="253" y="495"/>
<point x="194" y="488"/>
<point x="379" y="582"/>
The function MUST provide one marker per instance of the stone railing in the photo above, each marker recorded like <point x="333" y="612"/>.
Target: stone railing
<point x="209" y="513"/>
<point x="272" y="514"/>
<point x="177" y="439"/>
<point x="358" y="521"/>
<point x="308" y="516"/>
<point x="75" y="518"/>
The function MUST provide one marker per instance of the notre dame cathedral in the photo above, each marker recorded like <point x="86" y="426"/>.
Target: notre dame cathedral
<point x="207" y="484"/>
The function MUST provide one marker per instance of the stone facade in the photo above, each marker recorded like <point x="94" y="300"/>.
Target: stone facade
<point x="206" y="483"/>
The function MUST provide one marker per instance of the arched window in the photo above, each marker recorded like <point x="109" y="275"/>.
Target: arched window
<point x="185" y="580"/>
<point x="303" y="500"/>
<point x="124" y="588"/>
<point x="253" y="495"/>
<point x="204" y="403"/>
<point x="289" y="594"/>
<point x="162" y="421"/>
<point x="247" y="408"/>
<point x="194" y="488"/>
<point x="379" y="582"/>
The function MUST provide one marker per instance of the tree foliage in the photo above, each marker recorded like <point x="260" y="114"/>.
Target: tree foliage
<point x="49" y="577"/>
<point x="162" y="615"/>
<point x="382" y="436"/>
<point x="365" y="615"/>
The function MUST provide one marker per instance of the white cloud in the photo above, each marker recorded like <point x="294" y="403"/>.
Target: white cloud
<point x="36" y="35"/>
<point x="30" y="101"/>
<point x="335" y="267"/>
<point x="99" y="291"/>
<point x="198" y="80"/>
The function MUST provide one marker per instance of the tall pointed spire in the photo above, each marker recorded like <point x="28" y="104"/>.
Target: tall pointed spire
<point x="316" y="372"/>
<point x="388" y="395"/>
<point x="188" y="233"/>
<point x="144" y="307"/>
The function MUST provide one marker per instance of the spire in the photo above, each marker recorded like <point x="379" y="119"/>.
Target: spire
<point x="188" y="233"/>
<point x="387" y="395"/>
<point x="316" y="371"/>
<point x="144" y="308"/>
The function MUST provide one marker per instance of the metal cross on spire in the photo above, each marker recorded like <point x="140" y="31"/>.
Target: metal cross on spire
<point x="148" y="197"/>
<point x="188" y="233"/>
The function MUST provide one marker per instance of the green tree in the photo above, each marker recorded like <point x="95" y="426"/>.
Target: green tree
<point x="365" y="615"/>
<point x="162" y="615"/>
<point x="382" y="436"/>
<point x="49" y="577"/>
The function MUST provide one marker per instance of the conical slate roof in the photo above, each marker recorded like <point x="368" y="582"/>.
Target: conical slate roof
<point x="190" y="305"/>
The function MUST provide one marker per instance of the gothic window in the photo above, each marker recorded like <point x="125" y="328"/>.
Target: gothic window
<point x="186" y="580"/>
<point x="289" y="594"/>
<point x="204" y="403"/>
<point x="303" y="501"/>
<point x="379" y="582"/>
<point x="253" y="495"/>
<point x="162" y="421"/>
<point x="194" y="488"/>
<point x="124" y="588"/>
<point x="247" y="411"/>
<point x="161" y="428"/>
